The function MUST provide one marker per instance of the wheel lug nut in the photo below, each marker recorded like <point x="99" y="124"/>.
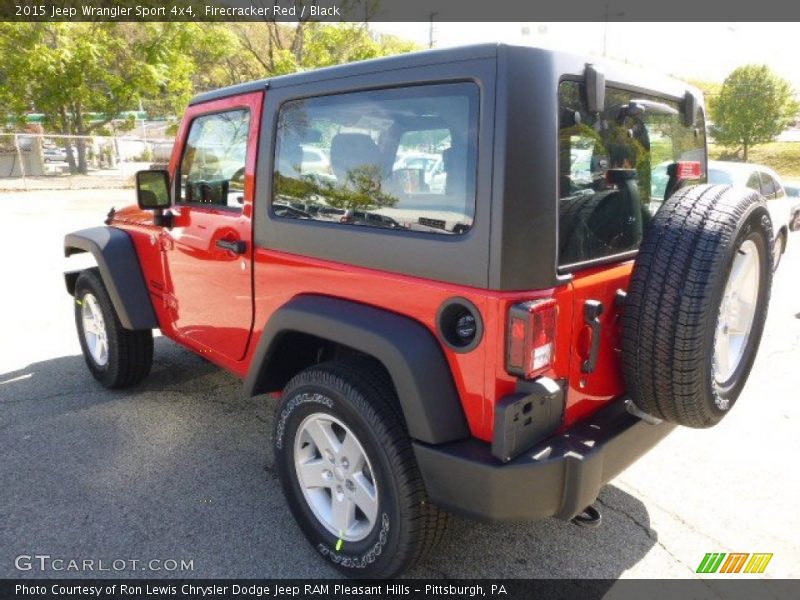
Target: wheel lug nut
<point x="329" y="456"/>
<point x="326" y="474"/>
<point x="350" y="485"/>
<point x="345" y="463"/>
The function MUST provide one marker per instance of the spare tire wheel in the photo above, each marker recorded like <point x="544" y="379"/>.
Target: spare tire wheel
<point x="697" y="303"/>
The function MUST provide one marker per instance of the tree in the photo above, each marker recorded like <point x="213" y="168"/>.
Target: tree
<point x="83" y="75"/>
<point x="753" y="107"/>
<point x="279" y="48"/>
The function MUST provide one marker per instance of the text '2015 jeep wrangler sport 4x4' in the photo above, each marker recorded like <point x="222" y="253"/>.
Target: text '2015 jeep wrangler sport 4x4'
<point x="482" y="280"/>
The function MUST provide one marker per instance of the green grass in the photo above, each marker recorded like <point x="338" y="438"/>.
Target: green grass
<point x="783" y="157"/>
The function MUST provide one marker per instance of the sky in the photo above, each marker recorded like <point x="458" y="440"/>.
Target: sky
<point x="707" y="51"/>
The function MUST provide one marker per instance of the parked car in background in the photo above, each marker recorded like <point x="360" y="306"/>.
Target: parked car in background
<point x="54" y="155"/>
<point x="431" y="165"/>
<point x="370" y="219"/>
<point x="793" y="192"/>
<point x="764" y="180"/>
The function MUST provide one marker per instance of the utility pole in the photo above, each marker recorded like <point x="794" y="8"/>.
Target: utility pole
<point x="431" y="17"/>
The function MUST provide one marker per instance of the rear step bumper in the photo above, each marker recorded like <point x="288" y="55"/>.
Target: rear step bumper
<point x="557" y="477"/>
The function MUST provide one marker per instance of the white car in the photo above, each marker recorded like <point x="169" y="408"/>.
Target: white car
<point x="315" y="161"/>
<point x="793" y="191"/>
<point x="431" y="165"/>
<point x="768" y="183"/>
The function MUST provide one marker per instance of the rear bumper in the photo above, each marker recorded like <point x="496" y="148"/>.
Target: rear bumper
<point x="558" y="477"/>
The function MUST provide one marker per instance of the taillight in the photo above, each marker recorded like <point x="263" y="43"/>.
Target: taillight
<point x="531" y="346"/>
<point x="689" y="169"/>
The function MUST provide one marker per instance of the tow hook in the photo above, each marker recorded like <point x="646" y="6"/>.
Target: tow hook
<point x="588" y="517"/>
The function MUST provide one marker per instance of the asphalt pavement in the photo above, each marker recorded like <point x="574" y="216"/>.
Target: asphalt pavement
<point x="179" y="468"/>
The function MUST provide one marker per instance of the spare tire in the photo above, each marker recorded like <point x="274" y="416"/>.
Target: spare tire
<point x="696" y="304"/>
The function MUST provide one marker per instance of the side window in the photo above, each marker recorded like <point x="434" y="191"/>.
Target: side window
<point x="617" y="168"/>
<point x="754" y="183"/>
<point x="769" y="187"/>
<point x="214" y="157"/>
<point x="402" y="159"/>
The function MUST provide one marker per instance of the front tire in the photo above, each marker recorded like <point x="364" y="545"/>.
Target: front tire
<point x="348" y="471"/>
<point x="116" y="357"/>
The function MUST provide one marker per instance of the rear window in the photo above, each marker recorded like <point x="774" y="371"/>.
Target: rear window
<point x="617" y="168"/>
<point x="402" y="159"/>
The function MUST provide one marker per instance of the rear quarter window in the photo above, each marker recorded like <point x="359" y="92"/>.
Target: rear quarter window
<point x="402" y="159"/>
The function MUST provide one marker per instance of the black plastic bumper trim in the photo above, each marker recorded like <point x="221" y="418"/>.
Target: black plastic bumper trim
<point x="557" y="477"/>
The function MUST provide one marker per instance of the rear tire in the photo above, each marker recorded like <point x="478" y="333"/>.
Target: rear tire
<point x="689" y="293"/>
<point x="116" y="357"/>
<point x="358" y="406"/>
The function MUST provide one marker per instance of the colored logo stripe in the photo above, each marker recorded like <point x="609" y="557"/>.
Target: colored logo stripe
<point x="734" y="562"/>
<point x="712" y="562"/>
<point x="758" y="562"/>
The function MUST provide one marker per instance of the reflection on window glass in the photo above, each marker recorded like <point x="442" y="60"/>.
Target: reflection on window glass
<point x="402" y="159"/>
<point x="769" y="187"/>
<point x="213" y="163"/>
<point x="617" y="168"/>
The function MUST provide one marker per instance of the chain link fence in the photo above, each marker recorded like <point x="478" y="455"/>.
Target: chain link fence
<point x="30" y="161"/>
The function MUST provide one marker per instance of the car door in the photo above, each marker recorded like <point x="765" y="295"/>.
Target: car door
<point x="208" y="250"/>
<point x="777" y="202"/>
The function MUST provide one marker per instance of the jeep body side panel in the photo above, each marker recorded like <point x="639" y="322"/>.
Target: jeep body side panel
<point x="410" y="353"/>
<point x="460" y="259"/>
<point x="118" y="263"/>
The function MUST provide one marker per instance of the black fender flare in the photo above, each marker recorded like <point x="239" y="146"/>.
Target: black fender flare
<point x="409" y="351"/>
<point x="118" y="263"/>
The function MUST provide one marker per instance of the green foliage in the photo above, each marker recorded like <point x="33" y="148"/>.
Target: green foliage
<point x="783" y="157"/>
<point x="268" y="49"/>
<point x="83" y="75"/>
<point x="69" y="70"/>
<point x="754" y="106"/>
<point x="362" y="189"/>
<point x="710" y="89"/>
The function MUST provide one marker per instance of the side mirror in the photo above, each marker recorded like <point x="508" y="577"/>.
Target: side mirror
<point x="152" y="190"/>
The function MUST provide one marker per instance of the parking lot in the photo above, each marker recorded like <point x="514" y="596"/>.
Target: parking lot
<point x="179" y="468"/>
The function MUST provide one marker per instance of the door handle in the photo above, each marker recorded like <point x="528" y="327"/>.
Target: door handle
<point x="592" y="309"/>
<point x="237" y="246"/>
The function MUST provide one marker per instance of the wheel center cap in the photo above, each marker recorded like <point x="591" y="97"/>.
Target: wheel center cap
<point x="339" y="473"/>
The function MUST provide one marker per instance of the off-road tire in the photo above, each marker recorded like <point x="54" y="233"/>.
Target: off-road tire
<point x="130" y="353"/>
<point x="362" y="397"/>
<point x="671" y="312"/>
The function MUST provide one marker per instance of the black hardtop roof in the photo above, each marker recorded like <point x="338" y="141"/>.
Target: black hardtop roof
<point x="364" y="67"/>
<point x="615" y="71"/>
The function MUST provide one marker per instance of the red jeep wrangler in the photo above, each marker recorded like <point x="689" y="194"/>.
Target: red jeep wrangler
<point x="481" y="280"/>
